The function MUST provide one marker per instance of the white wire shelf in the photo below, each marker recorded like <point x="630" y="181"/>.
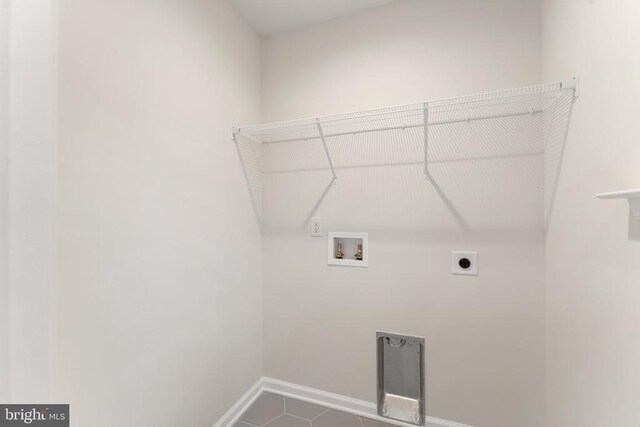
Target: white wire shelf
<point x="527" y="121"/>
<point x="523" y="101"/>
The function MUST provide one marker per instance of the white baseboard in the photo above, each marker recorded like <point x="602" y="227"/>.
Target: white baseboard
<point x="232" y="415"/>
<point x="319" y="397"/>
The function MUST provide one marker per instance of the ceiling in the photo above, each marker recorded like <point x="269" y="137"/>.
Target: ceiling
<point x="270" y="17"/>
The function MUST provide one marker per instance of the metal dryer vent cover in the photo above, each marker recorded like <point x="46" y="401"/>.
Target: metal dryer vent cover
<point x="401" y="377"/>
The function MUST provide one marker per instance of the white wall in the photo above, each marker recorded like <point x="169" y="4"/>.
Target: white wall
<point x="159" y="282"/>
<point x="400" y="53"/>
<point x="593" y="297"/>
<point x="31" y="157"/>
<point x="4" y="200"/>
<point x="485" y="335"/>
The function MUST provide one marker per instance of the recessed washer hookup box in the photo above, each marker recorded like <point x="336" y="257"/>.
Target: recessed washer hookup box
<point x="401" y="377"/>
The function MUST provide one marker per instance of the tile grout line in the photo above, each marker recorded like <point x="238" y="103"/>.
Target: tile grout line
<point x="270" y="421"/>
<point x="309" y="420"/>
<point x="324" y="412"/>
<point x="301" y="418"/>
<point x="291" y="415"/>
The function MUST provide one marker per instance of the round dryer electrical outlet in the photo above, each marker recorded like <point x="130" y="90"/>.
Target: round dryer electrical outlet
<point x="464" y="263"/>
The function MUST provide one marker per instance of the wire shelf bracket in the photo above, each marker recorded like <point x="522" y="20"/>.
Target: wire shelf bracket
<point x="326" y="151"/>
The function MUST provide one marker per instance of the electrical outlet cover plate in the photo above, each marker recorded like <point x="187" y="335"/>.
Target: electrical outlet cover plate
<point x="316" y="226"/>
<point x="464" y="263"/>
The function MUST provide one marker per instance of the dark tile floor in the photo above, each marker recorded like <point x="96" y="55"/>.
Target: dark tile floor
<point x="271" y="410"/>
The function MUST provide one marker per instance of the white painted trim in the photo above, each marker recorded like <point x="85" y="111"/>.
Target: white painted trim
<point x="323" y="398"/>
<point x="332" y="260"/>
<point x="4" y="199"/>
<point x="319" y="397"/>
<point x="232" y="415"/>
<point x="32" y="115"/>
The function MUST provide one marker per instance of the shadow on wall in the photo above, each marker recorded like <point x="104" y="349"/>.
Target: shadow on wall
<point x="634" y="228"/>
<point x="556" y="128"/>
<point x="250" y="155"/>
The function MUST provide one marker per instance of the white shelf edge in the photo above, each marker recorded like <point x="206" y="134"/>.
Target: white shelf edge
<point x="632" y="196"/>
<point x="626" y="194"/>
<point x="247" y="130"/>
